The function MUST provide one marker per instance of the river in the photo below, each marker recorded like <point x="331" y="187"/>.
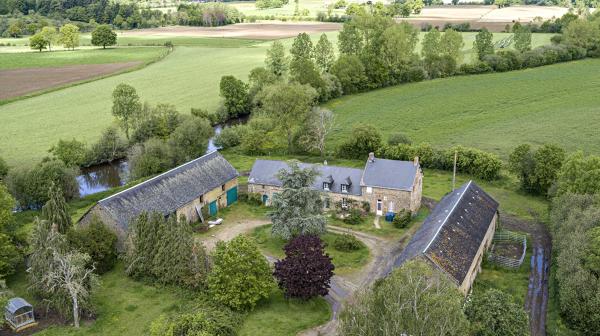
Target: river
<point x="104" y="176"/>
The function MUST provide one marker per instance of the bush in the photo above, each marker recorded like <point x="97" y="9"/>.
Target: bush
<point x="354" y="217"/>
<point x="98" y="241"/>
<point x="496" y="62"/>
<point x="152" y="157"/>
<point x="72" y="153"/>
<point x="415" y="73"/>
<point x="3" y="168"/>
<point x="398" y="138"/>
<point x="346" y="243"/>
<point x="350" y="71"/>
<point x="241" y="276"/>
<point x="230" y="136"/>
<point x="364" y="139"/>
<point x="494" y="313"/>
<point x="30" y="186"/>
<point x="110" y="147"/>
<point x="402" y="219"/>
<point x="205" y="321"/>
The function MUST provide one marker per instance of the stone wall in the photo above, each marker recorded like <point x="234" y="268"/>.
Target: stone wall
<point x="465" y="287"/>
<point x="218" y="194"/>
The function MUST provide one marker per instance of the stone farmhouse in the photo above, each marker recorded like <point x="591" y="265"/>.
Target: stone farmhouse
<point x="205" y="184"/>
<point x="456" y="235"/>
<point x="387" y="185"/>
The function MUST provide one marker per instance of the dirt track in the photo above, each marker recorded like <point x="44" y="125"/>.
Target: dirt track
<point x="536" y="301"/>
<point x="19" y="82"/>
<point x="260" y="31"/>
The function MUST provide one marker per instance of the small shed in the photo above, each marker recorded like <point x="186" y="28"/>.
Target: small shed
<point x="18" y="313"/>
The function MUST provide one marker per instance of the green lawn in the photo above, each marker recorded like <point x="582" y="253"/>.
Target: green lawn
<point x="84" y="56"/>
<point x="281" y="317"/>
<point x="345" y="262"/>
<point x="495" y="112"/>
<point x="387" y="229"/>
<point x="512" y="281"/>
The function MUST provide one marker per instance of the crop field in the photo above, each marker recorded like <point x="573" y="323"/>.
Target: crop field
<point x="494" y="112"/>
<point x="188" y="77"/>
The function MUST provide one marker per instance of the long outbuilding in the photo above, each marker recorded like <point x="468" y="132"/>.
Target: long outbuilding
<point x="203" y="185"/>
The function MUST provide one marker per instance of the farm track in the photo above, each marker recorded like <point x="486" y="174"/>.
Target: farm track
<point x="536" y="301"/>
<point x="20" y="82"/>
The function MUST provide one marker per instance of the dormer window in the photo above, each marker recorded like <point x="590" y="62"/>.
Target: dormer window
<point x="326" y="186"/>
<point x="344" y="188"/>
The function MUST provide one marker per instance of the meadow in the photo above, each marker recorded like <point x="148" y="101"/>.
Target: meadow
<point x="493" y="112"/>
<point x="85" y="56"/>
<point x="188" y="77"/>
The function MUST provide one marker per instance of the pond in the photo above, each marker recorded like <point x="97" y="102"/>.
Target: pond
<point x="105" y="176"/>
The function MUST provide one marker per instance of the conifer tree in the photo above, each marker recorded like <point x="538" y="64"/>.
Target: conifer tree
<point x="298" y="209"/>
<point x="56" y="211"/>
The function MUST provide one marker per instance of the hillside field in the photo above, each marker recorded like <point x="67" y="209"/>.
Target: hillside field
<point x="494" y="112"/>
<point x="188" y="77"/>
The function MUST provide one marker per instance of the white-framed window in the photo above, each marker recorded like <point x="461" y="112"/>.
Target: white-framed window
<point x="344" y="203"/>
<point x="326" y="186"/>
<point x="369" y="190"/>
<point x="344" y="188"/>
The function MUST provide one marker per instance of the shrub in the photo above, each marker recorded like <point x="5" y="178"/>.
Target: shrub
<point x="111" y="146"/>
<point x="354" y="217"/>
<point x="363" y="140"/>
<point x="350" y="71"/>
<point x="152" y="157"/>
<point x="496" y="62"/>
<point x="98" y="241"/>
<point x="398" y="138"/>
<point x="494" y="313"/>
<point x="207" y="320"/>
<point x="415" y="73"/>
<point x="346" y="243"/>
<point x="30" y="186"/>
<point x="3" y="168"/>
<point x="241" y="276"/>
<point x="72" y="153"/>
<point x="231" y="136"/>
<point x="306" y="270"/>
<point x="402" y="219"/>
<point x="476" y="67"/>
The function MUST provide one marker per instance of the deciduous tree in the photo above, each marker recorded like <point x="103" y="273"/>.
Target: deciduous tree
<point x="126" y="106"/>
<point x="493" y="313"/>
<point x="277" y="61"/>
<point x="241" y="276"/>
<point x="414" y="300"/>
<point x="324" y="53"/>
<point x="69" y="36"/>
<point x="235" y="94"/>
<point x="298" y="209"/>
<point x="302" y="47"/>
<point x="306" y="270"/>
<point x="104" y="36"/>
<point x="483" y="44"/>
<point x="37" y="42"/>
<point x="49" y="35"/>
<point x="522" y="37"/>
<point x="321" y="123"/>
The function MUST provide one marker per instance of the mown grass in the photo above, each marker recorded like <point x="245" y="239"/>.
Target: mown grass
<point x="495" y="112"/>
<point x="345" y="262"/>
<point x="281" y="317"/>
<point x="78" y="57"/>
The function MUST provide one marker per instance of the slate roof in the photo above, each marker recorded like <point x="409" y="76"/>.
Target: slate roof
<point x="452" y="234"/>
<point x="391" y="174"/>
<point x="171" y="190"/>
<point x="265" y="172"/>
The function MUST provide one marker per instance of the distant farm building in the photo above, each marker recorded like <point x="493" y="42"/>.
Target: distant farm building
<point x="387" y="185"/>
<point x="456" y="234"/>
<point x="205" y="184"/>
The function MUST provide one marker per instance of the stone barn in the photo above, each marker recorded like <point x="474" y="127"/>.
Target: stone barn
<point x="456" y="234"/>
<point x="205" y="184"/>
<point x="387" y="185"/>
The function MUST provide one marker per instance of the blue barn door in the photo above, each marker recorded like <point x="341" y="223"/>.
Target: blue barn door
<point x="212" y="208"/>
<point x="232" y="196"/>
<point x="265" y="199"/>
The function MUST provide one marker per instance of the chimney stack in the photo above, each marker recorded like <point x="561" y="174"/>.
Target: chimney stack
<point x="371" y="157"/>
<point x="416" y="161"/>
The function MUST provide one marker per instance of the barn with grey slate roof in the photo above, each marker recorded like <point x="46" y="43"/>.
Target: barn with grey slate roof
<point x="387" y="185"/>
<point x="455" y="235"/>
<point x="207" y="180"/>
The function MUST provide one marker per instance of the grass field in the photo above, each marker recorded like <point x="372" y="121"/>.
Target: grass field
<point x="85" y="56"/>
<point x="495" y="112"/>
<point x="188" y="77"/>
<point x="387" y="229"/>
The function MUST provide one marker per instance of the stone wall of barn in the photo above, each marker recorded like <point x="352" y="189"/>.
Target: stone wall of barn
<point x="218" y="194"/>
<point x="465" y="287"/>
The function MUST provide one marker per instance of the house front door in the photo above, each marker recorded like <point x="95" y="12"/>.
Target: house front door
<point x="379" y="208"/>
